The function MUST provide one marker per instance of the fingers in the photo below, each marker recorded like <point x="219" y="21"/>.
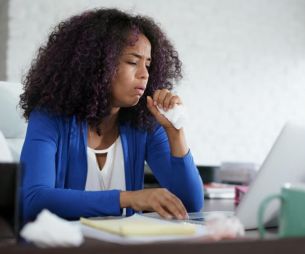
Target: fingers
<point x="165" y="99"/>
<point x="179" y="206"/>
<point x="161" y="97"/>
<point x="168" y="205"/>
<point x="151" y="107"/>
<point x="155" y="112"/>
<point x="175" y="207"/>
<point x="161" y="201"/>
<point x="162" y="212"/>
<point x="174" y="100"/>
<point x="156" y="96"/>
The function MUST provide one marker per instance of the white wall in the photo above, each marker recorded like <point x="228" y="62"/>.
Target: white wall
<point x="244" y="64"/>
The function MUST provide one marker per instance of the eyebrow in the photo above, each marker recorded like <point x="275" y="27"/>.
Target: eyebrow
<point x="139" y="56"/>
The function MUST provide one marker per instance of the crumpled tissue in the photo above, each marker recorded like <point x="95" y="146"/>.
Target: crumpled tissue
<point x="220" y="226"/>
<point x="176" y="115"/>
<point x="49" y="230"/>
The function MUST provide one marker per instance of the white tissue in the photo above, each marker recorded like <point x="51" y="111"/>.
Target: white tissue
<point x="220" y="226"/>
<point x="48" y="230"/>
<point x="176" y="116"/>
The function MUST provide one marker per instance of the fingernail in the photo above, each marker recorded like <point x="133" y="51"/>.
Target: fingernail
<point x="180" y="217"/>
<point x="169" y="217"/>
<point x="155" y="103"/>
<point x="165" y="109"/>
<point x="159" y="105"/>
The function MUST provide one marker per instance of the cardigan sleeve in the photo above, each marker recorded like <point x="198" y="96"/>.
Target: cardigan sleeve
<point x="39" y="176"/>
<point x="178" y="174"/>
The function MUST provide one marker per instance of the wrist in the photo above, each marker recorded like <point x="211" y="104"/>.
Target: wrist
<point x="173" y="130"/>
<point x="173" y="133"/>
<point x="125" y="199"/>
<point x="177" y="142"/>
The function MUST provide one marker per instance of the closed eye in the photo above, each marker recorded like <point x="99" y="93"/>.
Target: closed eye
<point x="134" y="63"/>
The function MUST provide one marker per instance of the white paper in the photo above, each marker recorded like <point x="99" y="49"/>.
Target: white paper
<point x="105" y="236"/>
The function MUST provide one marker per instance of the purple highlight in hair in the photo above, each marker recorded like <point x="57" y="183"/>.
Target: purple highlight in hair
<point x="72" y="73"/>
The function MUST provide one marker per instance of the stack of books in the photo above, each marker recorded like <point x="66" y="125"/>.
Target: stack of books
<point x="237" y="172"/>
<point x="219" y="190"/>
<point x="240" y="192"/>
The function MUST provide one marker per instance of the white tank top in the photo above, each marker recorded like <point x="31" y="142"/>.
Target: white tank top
<point x="112" y="175"/>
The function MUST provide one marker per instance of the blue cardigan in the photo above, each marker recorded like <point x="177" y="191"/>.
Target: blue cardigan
<point x="54" y="169"/>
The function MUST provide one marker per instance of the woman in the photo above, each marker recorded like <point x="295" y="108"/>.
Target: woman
<point x="91" y="99"/>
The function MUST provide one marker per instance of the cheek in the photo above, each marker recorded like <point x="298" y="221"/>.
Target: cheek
<point x="120" y="89"/>
<point x="117" y="90"/>
<point x="126" y="72"/>
<point x="123" y="81"/>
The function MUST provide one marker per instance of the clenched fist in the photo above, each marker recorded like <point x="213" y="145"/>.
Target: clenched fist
<point x="163" y="99"/>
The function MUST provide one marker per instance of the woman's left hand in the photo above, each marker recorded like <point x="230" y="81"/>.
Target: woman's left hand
<point x="163" y="99"/>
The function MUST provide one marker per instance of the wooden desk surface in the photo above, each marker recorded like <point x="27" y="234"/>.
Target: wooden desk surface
<point x="248" y="245"/>
<point x="294" y="245"/>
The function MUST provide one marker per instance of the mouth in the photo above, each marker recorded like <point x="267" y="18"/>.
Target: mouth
<point x="140" y="90"/>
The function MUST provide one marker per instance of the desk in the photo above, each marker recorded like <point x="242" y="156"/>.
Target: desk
<point x="228" y="205"/>
<point x="295" y="245"/>
<point x="246" y="245"/>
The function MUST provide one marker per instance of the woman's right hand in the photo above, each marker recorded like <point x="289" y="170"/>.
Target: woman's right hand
<point x="159" y="200"/>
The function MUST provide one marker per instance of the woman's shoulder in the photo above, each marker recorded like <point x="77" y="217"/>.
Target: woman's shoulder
<point x="45" y="117"/>
<point x="44" y="114"/>
<point x="55" y="127"/>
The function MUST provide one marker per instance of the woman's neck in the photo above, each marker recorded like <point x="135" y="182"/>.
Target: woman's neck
<point x="109" y="132"/>
<point x="110" y="122"/>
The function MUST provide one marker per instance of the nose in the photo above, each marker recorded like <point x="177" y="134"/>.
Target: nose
<point x="143" y="72"/>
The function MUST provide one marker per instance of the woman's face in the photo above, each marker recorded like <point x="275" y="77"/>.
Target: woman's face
<point x="130" y="80"/>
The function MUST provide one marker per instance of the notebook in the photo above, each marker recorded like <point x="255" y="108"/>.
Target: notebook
<point x="138" y="225"/>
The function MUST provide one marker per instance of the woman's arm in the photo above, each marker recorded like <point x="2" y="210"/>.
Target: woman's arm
<point x="169" y="157"/>
<point x="166" y="100"/>
<point x="44" y="172"/>
<point x="171" y="162"/>
<point x="177" y="142"/>
<point x="178" y="174"/>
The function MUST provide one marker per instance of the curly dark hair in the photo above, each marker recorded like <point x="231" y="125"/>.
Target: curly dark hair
<point x="72" y="73"/>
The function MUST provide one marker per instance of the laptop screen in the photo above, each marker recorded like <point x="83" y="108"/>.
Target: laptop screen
<point x="9" y="200"/>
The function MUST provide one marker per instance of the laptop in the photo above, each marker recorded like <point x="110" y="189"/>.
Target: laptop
<point x="9" y="201"/>
<point x="285" y="163"/>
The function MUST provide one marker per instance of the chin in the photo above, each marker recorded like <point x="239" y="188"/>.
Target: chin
<point x="130" y="103"/>
<point x="134" y="104"/>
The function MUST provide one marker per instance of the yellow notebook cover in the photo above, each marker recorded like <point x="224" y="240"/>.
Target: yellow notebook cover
<point x="138" y="225"/>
